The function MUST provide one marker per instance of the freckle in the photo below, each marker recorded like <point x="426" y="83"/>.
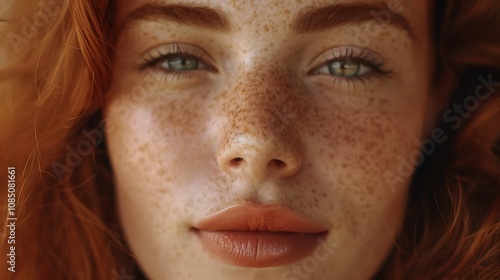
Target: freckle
<point x="162" y="191"/>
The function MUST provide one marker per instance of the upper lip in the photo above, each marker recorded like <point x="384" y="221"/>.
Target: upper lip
<point x="252" y="217"/>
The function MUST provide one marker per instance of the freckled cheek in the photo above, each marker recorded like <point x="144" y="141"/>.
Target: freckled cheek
<point x="359" y="146"/>
<point x="359" y="152"/>
<point x="156" y="146"/>
<point x="157" y="138"/>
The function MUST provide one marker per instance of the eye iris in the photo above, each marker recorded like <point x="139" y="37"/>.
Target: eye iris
<point x="182" y="63"/>
<point x="346" y="68"/>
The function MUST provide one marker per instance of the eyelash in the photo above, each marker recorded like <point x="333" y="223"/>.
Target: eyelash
<point x="376" y="64"/>
<point x="373" y="61"/>
<point x="152" y="61"/>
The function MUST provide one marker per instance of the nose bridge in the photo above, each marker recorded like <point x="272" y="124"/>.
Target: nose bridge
<point x="260" y="131"/>
<point x="267" y="101"/>
<point x="262" y="109"/>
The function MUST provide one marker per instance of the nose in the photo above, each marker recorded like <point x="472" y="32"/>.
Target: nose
<point x="259" y="158"/>
<point x="261" y="138"/>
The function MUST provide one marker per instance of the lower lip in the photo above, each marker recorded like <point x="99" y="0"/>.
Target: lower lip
<point x="259" y="249"/>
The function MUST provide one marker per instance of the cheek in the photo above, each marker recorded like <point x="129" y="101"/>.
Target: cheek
<point x="360" y="151"/>
<point x="160" y="150"/>
<point x="152" y="139"/>
<point x="152" y="135"/>
<point x="362" y="142"/>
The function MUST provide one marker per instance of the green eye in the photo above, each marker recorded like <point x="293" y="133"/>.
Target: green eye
<point x="181" y="63"/>
<point x="344" y="68"/>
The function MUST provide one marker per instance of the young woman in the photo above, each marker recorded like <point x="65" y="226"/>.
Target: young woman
<point x="250" y="139"/>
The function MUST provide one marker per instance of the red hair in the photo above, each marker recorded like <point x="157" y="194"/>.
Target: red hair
<point x="67" y="226"/>
<point x="452" y="225"/>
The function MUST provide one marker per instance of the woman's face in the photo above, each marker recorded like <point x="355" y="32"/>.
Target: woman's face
<point x="266" y="139"/>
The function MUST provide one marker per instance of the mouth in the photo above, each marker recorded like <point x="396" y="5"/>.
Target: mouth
<point x="252" y="235"/>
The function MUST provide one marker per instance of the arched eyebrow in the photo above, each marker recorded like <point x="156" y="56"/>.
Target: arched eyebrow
<point x="317" y="19"/>
<point x="306" y="21"/>
<point x="197" y="16"/>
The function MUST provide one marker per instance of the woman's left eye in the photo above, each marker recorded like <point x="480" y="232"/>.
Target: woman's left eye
<point x="346" y="68"/>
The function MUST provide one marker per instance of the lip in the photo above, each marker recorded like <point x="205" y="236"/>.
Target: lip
<point x="253" y="235"/>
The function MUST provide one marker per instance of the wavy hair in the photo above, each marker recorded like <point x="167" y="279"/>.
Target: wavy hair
<point x="452" y="224"/>
<point x="52" y="90"/>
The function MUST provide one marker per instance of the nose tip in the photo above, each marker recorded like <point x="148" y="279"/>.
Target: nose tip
<point x="259" y="159"/>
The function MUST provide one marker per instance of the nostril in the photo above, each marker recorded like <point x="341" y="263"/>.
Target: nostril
<point x="236" y="161"/>
<point x="278" y="163"/>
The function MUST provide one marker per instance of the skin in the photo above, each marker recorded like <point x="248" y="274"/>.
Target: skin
<point x="172" y="141"/>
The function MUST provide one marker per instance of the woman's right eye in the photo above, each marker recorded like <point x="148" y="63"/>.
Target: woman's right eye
<point x="176" y="59"/>
<point x="180" y="62"/>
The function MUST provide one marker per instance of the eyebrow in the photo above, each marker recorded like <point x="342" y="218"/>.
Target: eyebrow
<point x="197" y="16"/>
<point x="306" y="21"/>
<point x="322" y="18"/>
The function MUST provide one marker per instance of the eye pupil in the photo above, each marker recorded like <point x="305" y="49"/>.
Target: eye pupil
<point x="182" y="63"/>
<point x="344" y="68"/>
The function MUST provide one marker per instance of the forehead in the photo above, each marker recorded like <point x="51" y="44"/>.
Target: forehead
<point x="278" y="13"/>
